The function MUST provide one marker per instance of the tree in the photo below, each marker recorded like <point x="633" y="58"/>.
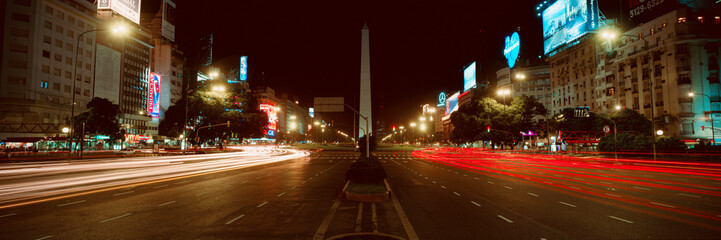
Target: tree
<point x="624" y="141"/>
<point x="100" y="118"/>
<point x="630" y="120"/>
<point x="173" y="122"/>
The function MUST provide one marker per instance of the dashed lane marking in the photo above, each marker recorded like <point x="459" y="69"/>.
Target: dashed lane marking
<point x="642" y="188"/>
<point x="281" y="194"/>
<point x="533" y="194"/>
<point x="619" y="219"/>
<point x="613" y="195"/>
<point x="46" y="237"/>
<point x="263" y="204"/>
<point x="71" y="203"/>
<point x="508" y="187"/>
<point x="123" y="193"/>
<point x="567" y="204"/>
<point x="443" y="186"/>
<point x="7" y="215"/>
<point x="689" y="195"/>
<point x="111" y="219"/>
<point x="504" y="218"/>
<point x="163" y="204"/>
<point x="457" y="194"/>
<point x="233" y="220"/>
<point x="475" y="203"/>
<point x="490" y="182"/>
<point x="664" y="205"/>
<point x="161" y="186"/>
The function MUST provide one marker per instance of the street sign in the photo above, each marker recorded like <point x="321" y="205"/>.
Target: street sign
<point x="606" y="129"/>
<point x="582" y="112"/>
<point x="328" y="104"/>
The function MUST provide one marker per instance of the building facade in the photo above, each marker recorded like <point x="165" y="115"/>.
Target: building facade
<point x="38" y="61"/>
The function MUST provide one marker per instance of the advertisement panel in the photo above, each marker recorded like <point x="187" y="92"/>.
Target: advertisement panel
<point x="104" y="4"/>
<point x="129" y="9"/>
<point x="512" y="48"/>
<point x="154" y="95"/>
<point x="567" y="20"/>
<point x="641" y="11"/>
<point x="469" y="77"/>
<point x="452" y="103"/>
<point x="168" y="28"/>
<point x="269" y="110"/>
<point x="243" y="68"/>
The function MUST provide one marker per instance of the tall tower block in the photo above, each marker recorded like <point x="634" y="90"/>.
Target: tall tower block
<point x="365" y="83"/>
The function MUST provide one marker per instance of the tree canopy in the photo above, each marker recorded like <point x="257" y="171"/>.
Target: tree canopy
<point x="100" y="118"/>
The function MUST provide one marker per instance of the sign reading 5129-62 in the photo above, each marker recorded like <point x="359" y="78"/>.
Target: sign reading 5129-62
<point x="647" y="9"/>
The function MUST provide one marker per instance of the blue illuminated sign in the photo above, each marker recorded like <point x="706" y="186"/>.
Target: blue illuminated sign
<point x="243" y="68"/>
<point x="452" y="103"/>
<point x="311" y="112"/>
<point x="469" y="77"/>
<point x="271" y="133"/>
<point x="567" y="20"/>
<point x="442" y="98"/>
<point x="511" y="49"/>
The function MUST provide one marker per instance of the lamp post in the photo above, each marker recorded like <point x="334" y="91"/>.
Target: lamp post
<point x="118" y="29"/>
<point x="611" y="35"/>
<point x="710" y="116"/>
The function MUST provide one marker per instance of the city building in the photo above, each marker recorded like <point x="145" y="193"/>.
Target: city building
<point x="532" y="81"/>
<point x="682" y="57"/>
<point x="572" y="73"/>
<point x="137" y="118"/>
<point x="40" y="40"/>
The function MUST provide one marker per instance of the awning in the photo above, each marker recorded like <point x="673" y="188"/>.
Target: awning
<point x="24" y="139"/>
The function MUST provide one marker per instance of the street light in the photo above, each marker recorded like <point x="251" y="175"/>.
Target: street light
<point x="520" y="76"/>
<point x="610" y="35"/>
<point x="710" y="116"/>
<point x="659" y="132"/>
<point x="618" y="107"/>
<point x="119" y="29"/>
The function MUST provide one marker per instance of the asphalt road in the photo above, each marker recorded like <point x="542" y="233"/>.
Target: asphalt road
<point x="469" y="194"/>
<point x="446" y="194"/>
<point x="280" y="200"/>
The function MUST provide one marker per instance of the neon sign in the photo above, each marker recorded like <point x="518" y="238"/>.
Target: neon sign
<point x="243" y="68"/>
<point x="154" y="95"/>
<point x="269" y="110"/>
<point x="511" y="49"/>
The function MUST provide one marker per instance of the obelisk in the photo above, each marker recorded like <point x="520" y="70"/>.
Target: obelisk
<point x="365" y="83"/>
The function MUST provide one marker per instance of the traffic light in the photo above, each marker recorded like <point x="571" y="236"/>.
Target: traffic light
<point x="228" y="123"/>
<point x="488" y="128"/>
<point x="394" y="128"/>
<point x="702" y="128"/>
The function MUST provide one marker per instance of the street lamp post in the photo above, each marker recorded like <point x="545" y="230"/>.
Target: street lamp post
<point x="119" y="29"/>
<point x="710" y="116"/>
<point x="610" y="35"/>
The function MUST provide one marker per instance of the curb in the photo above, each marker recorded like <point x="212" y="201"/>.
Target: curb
<point x="367" y="197"/>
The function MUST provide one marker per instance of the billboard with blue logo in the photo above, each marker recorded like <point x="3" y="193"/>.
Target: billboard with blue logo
<point x="469" y="77"/>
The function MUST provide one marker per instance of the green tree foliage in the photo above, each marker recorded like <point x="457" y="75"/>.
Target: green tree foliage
<point x="669" y="144"/>
<point x="624" y="141"/>
<point x="100" y="118"/>
<point x="208" y="107"/>
<point x="630" y="120"/>
<point x="471" y="120"/>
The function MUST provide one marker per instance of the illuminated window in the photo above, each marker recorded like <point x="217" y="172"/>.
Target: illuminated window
<point x="651" y="30"/>
<point x="700" y="19"/>
<point x="43" y="84"/>
<point x="718" y="19"/>
<point x="682" y="20"/>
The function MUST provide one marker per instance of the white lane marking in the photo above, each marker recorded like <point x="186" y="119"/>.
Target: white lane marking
<point x="163" y="204"/>
<point x="426" y="177"/>
<point x="475" y="203"/>
<point x="689" y="195"/>
<point x="233" y="220"/>
<point x="203" y="193"/>
<point x="661" y="204"/>
<point x="508" y="187"/>
<point x="567" y="204"/>
<point x="7" y="215"/>
<point x="123" y="193"/>
<point x="281" y="194"/>
<point x="613" y="195"/>
<point x="111" y="219"/>
<point x="263" y="204"/>
<point x="303" y="182"/>
<point x="504" y="218"/>
<point x="46" y="237"/>
<point x="619" y="219"/>
<point x="606" y="183"/>
<point x="433" y="182"/>
<point x="457" y="194"/>
<point x="258" y="178"/>
<point x="243" y="182"/>
<point x="465" y="175"/>
<point x="490" y="182"/>
<point x="476" y="178"/>
<point x="71" y="203"/>
<point x="293" y="187"/>
<point x="575" y="188"/>
<point x="161" y="186"/>
<point x="642" y="188"/>
<point x="533" y="194"/>
<point x="443" y="186"/>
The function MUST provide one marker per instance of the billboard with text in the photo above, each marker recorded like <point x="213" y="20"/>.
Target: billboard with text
<point x="154" y="95"/>
<point x="469" y="77"/>
<point x="566" y="20"/>
<point x="168" y="27"/>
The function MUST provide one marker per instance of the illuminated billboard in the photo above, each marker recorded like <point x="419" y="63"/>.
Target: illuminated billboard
<point x="243" y="68"/>
<point x="154" y="95"/>
<point x="129" y="9"/>
<point x="269" y="110"/>
<point x="469" y="77"/>
<point x="452" y="103"/>
<point x="567" y="20"/>
<point x="512" y="48"/>
<point x="640" y="11"/>
<point x="168" y="27"/>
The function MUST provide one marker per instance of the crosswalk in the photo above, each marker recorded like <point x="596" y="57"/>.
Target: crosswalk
<point x="353" y="156"/>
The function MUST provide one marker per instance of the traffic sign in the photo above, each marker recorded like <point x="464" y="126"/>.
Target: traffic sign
<point x="606" y="129"/>
<point x="582" y="112"/>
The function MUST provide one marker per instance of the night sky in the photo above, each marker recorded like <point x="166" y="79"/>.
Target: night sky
<point x="312" y="48"/>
